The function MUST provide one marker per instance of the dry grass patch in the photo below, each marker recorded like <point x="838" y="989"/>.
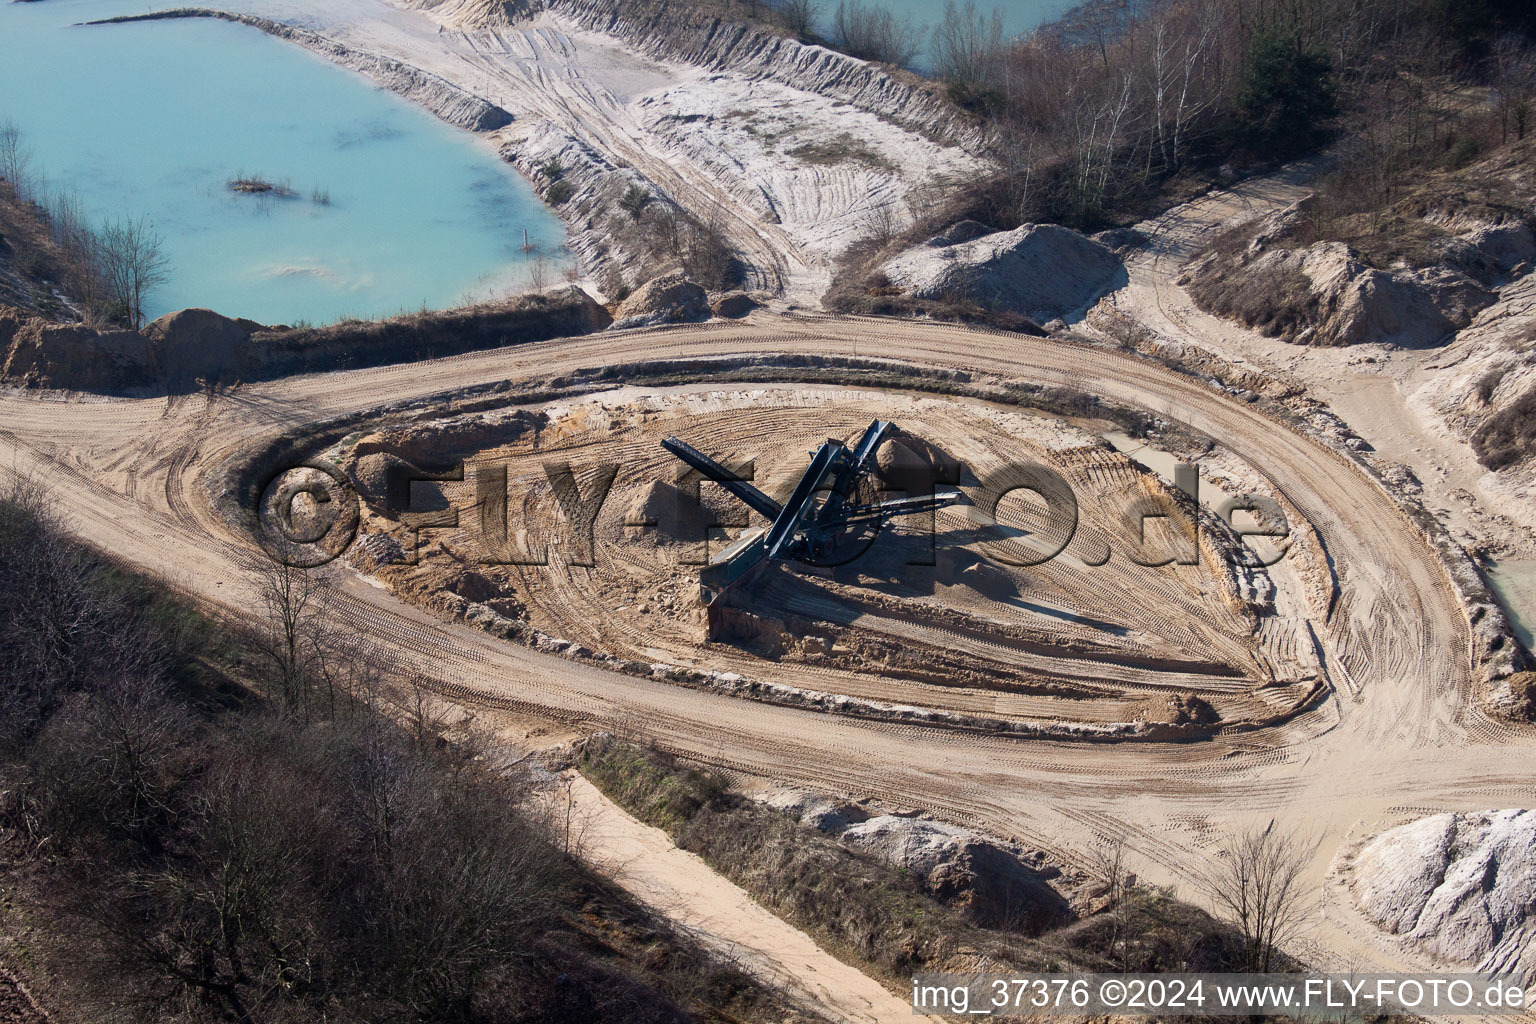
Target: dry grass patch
<point x="1509" y="435"/>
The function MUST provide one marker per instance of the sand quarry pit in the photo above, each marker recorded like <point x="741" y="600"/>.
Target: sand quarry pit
<point x="942" y="616"/>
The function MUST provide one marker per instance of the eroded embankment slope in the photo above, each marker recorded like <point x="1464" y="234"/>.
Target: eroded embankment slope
<point x="196" y="347"/>
<point x="447" y="101"/>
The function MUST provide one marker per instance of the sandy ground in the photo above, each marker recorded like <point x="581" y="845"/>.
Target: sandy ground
<point x="680" y="886"/>
<point x="1376" y="389"/>
<point x="971" y="634"/>
<point x="1402" y="733"/>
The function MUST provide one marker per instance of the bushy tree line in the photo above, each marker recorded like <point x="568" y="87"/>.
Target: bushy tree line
<point x="1094" y="113"/>
<point x="199" y="853"/>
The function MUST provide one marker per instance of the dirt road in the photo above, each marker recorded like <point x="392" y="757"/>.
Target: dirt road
<point x="1402" y="733"/>
<point x="1372" y="387"/>
<point x="680" y="886"/>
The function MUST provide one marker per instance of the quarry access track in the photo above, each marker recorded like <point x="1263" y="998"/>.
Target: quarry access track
<point x="1402" y="730"/>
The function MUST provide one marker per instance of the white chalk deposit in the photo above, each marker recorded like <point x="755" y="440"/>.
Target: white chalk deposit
<point x="1041" y="270"/>
<point x="1460" y="886"/>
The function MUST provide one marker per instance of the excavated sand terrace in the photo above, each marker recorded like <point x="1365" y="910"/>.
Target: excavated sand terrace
<point x="1403" y="730"/>
<point x="953" y="625"/>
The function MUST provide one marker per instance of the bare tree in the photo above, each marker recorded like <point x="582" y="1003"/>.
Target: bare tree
<point x="871" y="33"/>
<point x="799" y="16"/>
<point x="1108" y="862"/>
<point x="79" y="251"/>
<point x="1257" y="880"/>
<point x="1195" y="97"/>
<point x="880" y="224"/>
<point x="1514" y="81"/>
<point x="133" y="262"/>
<point x="699" y="249"/>
<point x="966" y="45"/>
<point x="15" y="159"/>
<point x="538" y="274"/>
<point x="1018" y="151"/>
<point x="289" y="639"/>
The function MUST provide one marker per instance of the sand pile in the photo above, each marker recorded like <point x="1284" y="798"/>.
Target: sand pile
<point x="1461" y="886"/>
<point x="668" y="299"/>
<point x="993" y="884"/>
<point x="383" y="481"/>
<point x="193" y="344"/>
<point x="914" y="464"/>
<point x="822" y="812"/>
<point x="663" y="512"/>
<point x="1040" y="270"/>
<point x="444" y="441"/>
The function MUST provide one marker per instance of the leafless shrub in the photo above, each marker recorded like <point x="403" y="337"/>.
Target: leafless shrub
<point x="880" y="225"/>
<point x="452" y="877"/>
<point x="1108" y="863"/>
<point x="1257" y="879"/>
<point x="925" y="199"/>
<point x="60" y="627"/>
<point x="114" y="758"/>
<point x="15" y="160"/>
<point x="698" y="248"/>
<point x="798" y="16"/>
<point x="966" y="45"/>
<point x="133" y="261"/>
<point x="539" y="272"/>
<point x="869" y="32"/>
<point x="231" y="926"/>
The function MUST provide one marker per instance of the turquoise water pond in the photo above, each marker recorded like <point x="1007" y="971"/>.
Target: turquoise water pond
<point x="155" y="118"/>
<point x="1019" y="16"/>
<point x="1515" y="584"/>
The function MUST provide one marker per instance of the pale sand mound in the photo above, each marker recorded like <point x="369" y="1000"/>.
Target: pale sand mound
<point x="1461" y="886"/>
<point x="993" y="885"/>
<point x="442" y="443"/>
<point x="819" y="811"/>
<point x="733" y="305"/>
<point x="1040" y="270"/>
<point x="670" y="298"/>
